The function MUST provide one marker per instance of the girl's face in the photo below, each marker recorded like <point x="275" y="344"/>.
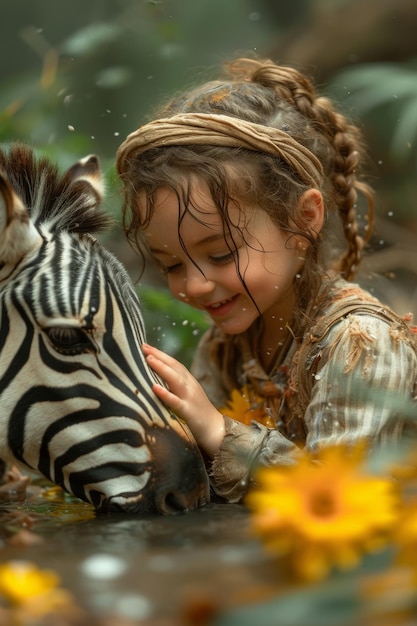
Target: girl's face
<point x="203" y="264"/>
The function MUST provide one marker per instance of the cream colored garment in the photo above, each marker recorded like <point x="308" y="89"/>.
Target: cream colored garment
<point x="342" y="407"/>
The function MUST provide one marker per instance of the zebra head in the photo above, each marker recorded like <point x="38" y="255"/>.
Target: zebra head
<point x="75" y="390"/>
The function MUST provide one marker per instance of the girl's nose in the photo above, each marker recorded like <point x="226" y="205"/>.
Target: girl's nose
<point x="197" y="284"/>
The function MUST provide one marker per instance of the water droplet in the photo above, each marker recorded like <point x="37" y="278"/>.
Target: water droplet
<point x="103" y="566"/>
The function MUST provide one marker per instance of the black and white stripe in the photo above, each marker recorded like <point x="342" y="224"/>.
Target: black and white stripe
<point x="75" y="390"/>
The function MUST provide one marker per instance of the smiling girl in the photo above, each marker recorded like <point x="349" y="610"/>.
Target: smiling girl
<point x="240" y="190"/>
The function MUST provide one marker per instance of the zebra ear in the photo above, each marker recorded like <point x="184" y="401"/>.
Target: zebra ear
<point x="17" y="234"/>
<point x="88" y="170"/>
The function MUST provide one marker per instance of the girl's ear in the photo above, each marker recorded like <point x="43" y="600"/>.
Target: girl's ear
<point x="311" y="211"/>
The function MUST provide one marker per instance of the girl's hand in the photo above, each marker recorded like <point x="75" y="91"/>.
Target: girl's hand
<point x="187" y="399"/>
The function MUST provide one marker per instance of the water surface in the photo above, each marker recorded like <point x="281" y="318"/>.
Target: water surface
<point x="142" y="568"/>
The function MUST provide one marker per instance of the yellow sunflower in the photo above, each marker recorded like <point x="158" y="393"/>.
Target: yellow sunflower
<point x="323" y="511"/>
<point x="245" y="405"/>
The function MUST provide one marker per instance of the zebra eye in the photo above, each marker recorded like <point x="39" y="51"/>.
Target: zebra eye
<point x="69" y="340"/>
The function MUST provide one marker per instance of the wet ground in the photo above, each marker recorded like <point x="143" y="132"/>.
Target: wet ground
<point x="157" y="570"/>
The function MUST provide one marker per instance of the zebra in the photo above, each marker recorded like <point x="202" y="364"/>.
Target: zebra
<point x="76" y="400"/>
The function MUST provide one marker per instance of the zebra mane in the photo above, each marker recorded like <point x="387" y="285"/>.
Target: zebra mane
<point x="62" y="200"/>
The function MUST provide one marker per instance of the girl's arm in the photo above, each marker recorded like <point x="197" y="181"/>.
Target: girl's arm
<point x="187" y="399"/>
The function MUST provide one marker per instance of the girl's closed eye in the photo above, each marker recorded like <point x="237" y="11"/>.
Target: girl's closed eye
<point x="172" y="269"/>
<point x="223" y="259"/>
<point x="169" y="268"/>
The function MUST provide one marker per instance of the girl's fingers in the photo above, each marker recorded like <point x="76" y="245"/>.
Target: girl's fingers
<point x="161" y="368"/>
<point x="172" y="378"/>
<point x="161" y="356"/>
<point x="148" y="349"/>
<point x="168" y="398"/>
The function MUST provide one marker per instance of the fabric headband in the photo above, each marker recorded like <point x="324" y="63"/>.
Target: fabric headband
<point x="220" y="130"/>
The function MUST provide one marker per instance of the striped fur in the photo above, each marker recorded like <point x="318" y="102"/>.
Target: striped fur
<point x="75" y="390"/>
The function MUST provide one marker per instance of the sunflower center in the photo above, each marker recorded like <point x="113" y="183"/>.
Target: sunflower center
<point x="323" y="504"/>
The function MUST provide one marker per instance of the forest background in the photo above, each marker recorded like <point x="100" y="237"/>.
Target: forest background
<point x="77" y="77"/>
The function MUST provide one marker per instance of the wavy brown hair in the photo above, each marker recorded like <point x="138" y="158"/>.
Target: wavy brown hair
<point x="262" y="92"/>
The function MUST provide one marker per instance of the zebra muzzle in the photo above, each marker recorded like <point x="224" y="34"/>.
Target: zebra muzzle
<point x="178" y="479"/>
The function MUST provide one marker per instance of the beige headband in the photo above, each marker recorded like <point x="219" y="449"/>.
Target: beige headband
<point x="220" y="130"/>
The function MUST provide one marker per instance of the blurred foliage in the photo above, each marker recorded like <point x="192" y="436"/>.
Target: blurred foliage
<point x="77" y="77"/>
<point x="91" y="71"/>
<point x="384" y="96"/>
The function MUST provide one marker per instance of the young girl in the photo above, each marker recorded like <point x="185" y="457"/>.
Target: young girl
<point x="237" y="190"/>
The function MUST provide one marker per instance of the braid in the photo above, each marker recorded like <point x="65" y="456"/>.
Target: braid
<point x="343" y="137"/>
<point x="348" y="151"/>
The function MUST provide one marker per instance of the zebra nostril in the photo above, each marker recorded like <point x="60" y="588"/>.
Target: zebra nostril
<point x="172" y="502"/>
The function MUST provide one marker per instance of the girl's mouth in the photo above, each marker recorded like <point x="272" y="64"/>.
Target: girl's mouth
<point x="222" y="307"/>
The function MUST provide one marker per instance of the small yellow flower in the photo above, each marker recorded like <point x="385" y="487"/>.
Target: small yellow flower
<point x="54" y="493"/>
<point x="323" y="511"/>
<point x="21" y="581"/>
<point x="245" y="405"/>
<point x="29" y="593"/>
